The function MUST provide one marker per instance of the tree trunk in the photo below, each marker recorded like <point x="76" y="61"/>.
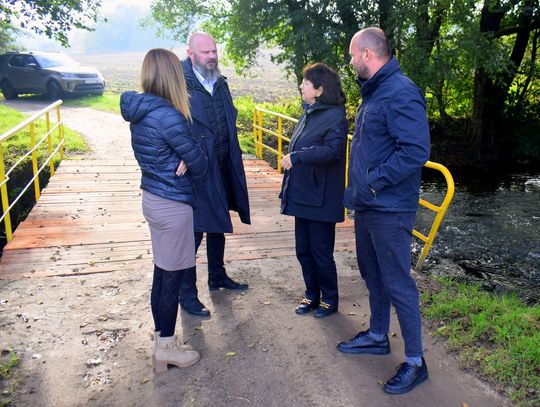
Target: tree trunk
<point x="490" y="93"/>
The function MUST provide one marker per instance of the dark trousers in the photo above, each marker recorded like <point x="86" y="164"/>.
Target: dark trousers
<point x="315" y="252"/>
<point x="215" y="250"/>
<point x="383" y="251"/>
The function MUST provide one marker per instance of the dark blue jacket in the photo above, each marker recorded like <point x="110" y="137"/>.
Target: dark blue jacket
<point x="212" y="211"/>
<point x="390" y="144"/>
<point x="160" y="138"/>
<point x="313" y="188"/>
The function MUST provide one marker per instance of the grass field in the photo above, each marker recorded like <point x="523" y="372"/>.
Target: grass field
<point x="266" y="82"/>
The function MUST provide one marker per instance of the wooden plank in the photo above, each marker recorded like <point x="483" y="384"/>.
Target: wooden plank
<point x="89" y="220"/>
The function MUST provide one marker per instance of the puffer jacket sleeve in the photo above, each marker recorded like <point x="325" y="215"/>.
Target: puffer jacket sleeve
<point x="178" y="136"/>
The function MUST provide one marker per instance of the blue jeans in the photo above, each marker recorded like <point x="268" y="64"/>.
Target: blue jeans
<point x="315" y="252"/>
<point x="383" y="251"/>
<point x="215" y="250"/>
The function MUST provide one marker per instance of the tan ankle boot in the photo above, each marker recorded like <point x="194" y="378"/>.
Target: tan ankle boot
<point x="169" y="353"/>
<point x="186" y="346"/>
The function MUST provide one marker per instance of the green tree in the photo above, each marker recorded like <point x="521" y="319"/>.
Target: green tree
<point x="467" y="55"/>
<point x="54" y="18"/>
<point x="7" y="38"/>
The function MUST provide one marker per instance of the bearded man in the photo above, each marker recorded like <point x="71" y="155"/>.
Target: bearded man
<point x="214" y="123"/>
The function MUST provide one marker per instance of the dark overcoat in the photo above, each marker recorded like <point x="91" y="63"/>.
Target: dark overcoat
<point x="313" y="188"/>
<point x="212" y="211"/>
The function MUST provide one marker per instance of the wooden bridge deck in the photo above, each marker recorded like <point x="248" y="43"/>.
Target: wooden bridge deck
<point x="89" y="220"/>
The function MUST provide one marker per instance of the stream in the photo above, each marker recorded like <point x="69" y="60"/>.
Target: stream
<point x="491" y="232"/>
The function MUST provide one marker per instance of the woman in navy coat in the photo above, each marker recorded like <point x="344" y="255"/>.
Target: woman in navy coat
<point x="314" y="183"/>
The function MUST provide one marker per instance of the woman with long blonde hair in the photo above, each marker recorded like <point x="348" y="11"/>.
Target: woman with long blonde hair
<point x="171" y="160"/>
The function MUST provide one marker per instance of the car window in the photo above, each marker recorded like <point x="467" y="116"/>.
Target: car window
<point x="51" y="61"/>
<point x="18" y="61"/>
<point x="29" y="59"/>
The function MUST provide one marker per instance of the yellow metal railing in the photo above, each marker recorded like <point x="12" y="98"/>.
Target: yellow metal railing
<point x="30" y="123"/>
<point x="259" y="129"/>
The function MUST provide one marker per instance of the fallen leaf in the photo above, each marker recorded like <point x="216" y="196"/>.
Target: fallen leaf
<point x="146" y="380"/>
<point x="231" y="354"/>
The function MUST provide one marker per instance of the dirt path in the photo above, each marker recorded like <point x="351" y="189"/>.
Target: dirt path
<point x="87" y="340"/>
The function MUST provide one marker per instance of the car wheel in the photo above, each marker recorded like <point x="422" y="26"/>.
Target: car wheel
<point x="54" y="91"/>
<point x="8" y="90"/>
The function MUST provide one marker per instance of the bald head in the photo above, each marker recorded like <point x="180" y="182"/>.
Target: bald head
<point x="202" y="50"/>
<point x="369" y="50"/>
<point x="375" y="39"/>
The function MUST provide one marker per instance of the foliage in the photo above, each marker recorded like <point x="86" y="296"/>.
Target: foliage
<point x="496" y="335"/>
<point x="8" y="363"/>
<point x="7" y="37"/>
<point x="466" y="55"/>
<point x="54" y="18"/>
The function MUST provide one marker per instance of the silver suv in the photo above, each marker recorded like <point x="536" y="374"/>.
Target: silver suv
<point x="52" y="73"/>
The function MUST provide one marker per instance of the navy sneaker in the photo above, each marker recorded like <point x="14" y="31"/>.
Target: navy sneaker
<point x="363" y="343"/>
<point x="305" y="306"/>
<point x="407" y="378"/>
<point x="324" y="309"/>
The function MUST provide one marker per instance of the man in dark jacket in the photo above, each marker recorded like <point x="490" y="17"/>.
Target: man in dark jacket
<point x="214" y="123"/>
<point x="389" y="148"/>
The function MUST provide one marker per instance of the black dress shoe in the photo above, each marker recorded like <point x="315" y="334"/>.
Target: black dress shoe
<point x="305" y="306"/>
<point x="194" y="307"/>
<point x="227" y="283"/>
<point x="325" y="309"/>
<point x="363" y="343"/>
<point x="407" y="378"/>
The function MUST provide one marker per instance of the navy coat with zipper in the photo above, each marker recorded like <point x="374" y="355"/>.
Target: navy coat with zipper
<point x="160" y="138"/>
<point x="212" y="212"/>
<point x="390" y="144"/>
<point x="313" y="188"/>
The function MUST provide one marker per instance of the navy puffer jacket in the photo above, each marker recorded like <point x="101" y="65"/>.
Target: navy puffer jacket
<point x="160" y="138"/>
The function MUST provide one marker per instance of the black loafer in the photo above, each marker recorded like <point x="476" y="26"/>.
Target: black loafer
<point x="227" y="283"/>
<point x="325" y="309"/>
<point x="194" y="307"/>
<point x="305" y="306"/>
<point x="407" y="378"/>
<point x="362" y="343"/>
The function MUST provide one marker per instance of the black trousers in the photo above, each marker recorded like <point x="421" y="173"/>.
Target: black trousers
<point x="215" y="250"/>
<point x="315" y="252"/>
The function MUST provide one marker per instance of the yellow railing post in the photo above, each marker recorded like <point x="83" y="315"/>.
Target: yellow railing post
<point x="60" y="132"/>
<point x="34" y="160"/>
<point x="279" y="143"/>
<point x="49" y="142"/>
<point x="5" y="197"/>
<point x="260" y="134"/>
<point x="255" y="132"/>
<point x="439" y="210"/>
